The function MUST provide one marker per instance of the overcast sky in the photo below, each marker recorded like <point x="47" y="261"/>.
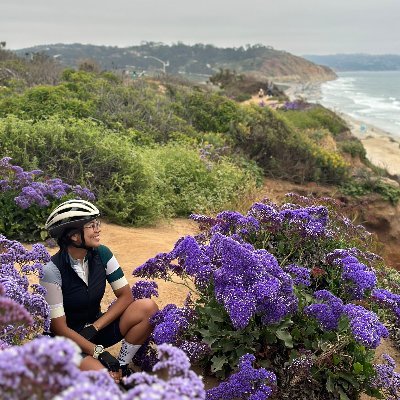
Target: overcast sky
<point x="297" y="26"/>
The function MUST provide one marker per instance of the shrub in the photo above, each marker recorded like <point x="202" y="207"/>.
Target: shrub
<point x="313" y="117"/>
<point x="354" y="147"/>
<point x="26" y="198"/>
<point x="180" y="180"/>
<point x="289" y="284"/>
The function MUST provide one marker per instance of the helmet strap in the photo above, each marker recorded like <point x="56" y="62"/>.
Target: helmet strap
<point x="82" y="245"/>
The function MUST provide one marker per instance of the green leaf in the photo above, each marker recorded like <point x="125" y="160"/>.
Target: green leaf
<point x="330" y="385"/>
<point x="343" y="395"/>
<point x="358" y="368"/>
<point x="217" y="363"/>
<point x="286" y="337"/>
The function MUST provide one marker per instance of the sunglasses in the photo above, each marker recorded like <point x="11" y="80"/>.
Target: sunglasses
<point x="93" y="225"/>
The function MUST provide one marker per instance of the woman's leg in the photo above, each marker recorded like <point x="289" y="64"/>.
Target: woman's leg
<point x="88" y="363"/>
<point x="135" y="326"/>
<point x="134" y="322"/>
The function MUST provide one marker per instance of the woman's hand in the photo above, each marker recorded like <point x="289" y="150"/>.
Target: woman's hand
<point x="117" y="376"/>
<point x="89" y="332"/>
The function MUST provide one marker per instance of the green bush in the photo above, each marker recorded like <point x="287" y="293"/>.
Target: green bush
<point x="133" y="184"/>
<point x="315" y="117"/>
<point x="354" y="147"/>
<point x="183" y="183"/>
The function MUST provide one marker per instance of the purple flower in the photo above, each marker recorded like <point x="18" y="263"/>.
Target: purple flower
<point x="388" y="300"/>
<point x="267" y="214"/>
<point x="246" y="383"/>
<point x="309" y="222"/>
<point x="386" y="379"/>
<point x="301" y="276"/>
<point x="365" y="326"/>
<point x="169" y="323"/>
<point x="358" y="278"/>
<point x="43" y="367"/>
<point x="328" y="312"/>
<point x="249" y="281"/>
<point x="12" y="313"/>
<point x="144" y="289"/>
<point x="181" y="383"/>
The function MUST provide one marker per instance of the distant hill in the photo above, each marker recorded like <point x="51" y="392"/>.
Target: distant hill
<point x="201" y="60"/>
<point x="358" y="62"/>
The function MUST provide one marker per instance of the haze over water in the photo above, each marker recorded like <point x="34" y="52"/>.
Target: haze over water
<point x="371" y="97"/>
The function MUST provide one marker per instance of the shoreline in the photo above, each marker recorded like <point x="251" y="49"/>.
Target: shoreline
<point x="382" y="147"/>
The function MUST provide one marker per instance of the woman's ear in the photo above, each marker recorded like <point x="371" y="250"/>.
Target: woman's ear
<point x="76" y="237"/>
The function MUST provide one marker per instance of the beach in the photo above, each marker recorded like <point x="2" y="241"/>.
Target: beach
<point x="382" y="147"/>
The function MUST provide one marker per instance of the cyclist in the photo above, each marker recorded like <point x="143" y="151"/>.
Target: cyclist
<point x="75" y="280"/>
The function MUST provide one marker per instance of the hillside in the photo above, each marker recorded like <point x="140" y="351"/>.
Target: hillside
<point x="358" y="62"/>
<point x="197" y="62"/>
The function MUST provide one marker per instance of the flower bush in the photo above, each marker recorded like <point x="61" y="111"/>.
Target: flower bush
<point x="24" y="312"/>
<point x="26" y="198"/>
<point x="291" y="285"/>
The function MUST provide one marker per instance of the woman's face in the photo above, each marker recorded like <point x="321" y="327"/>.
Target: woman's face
<point x="91" y="232"/>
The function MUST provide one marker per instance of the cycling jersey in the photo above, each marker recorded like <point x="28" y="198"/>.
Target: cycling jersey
<point x="75" y="289"/>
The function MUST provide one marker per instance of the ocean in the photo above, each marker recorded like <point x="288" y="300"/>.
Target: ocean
<point x="370" y="97"/>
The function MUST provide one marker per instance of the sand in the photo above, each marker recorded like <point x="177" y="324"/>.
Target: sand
<point x="382" y="148"/>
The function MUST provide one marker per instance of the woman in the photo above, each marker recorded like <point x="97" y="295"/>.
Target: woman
<point x="75" y="280"/>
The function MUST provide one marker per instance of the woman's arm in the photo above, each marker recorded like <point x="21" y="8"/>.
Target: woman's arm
<point x="59" y="327"/>
<point x="124" y="299"/>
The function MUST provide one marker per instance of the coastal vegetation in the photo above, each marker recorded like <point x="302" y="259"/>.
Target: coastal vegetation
<point x="197" y="62"/>
<point x="286" y="300"/>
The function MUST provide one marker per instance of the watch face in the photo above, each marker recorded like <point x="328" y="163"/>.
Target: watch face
<point x="99" y="348"/>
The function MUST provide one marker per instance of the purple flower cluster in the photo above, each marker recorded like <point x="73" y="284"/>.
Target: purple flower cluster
<point x="12" y="313"/>
<point x="365" y="326"/>
<point x="144" y="290"/>
<point x="169" y="323"/>
<point x="249" y="282"/>
<point x="295" y="105"/>
<point x="358" y="278"/>
<point x="300" y="275"/>
<point x="246" y="281"/>
<point x="309" y="222"/>
<point x="328" y="312"/>
<point x="388" y="300"/>
<point x="30" y="191"/>
<point x="235" y="222"/>
<point x="182" y="383"/>
<point x="192" y="260"/>
<point x="16" y="262"/>
<point x="41" y="368"/>
<point x="268" y="215"/>
<point x="247" y="383"/>
<point x="386" y="379"/>
<point x="92" y="385"/>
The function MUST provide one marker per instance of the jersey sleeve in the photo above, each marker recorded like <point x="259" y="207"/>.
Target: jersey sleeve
<point x="52" y="282"/>
<point x="114" y="273"/>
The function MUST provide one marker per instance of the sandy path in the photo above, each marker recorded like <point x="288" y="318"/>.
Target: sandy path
<point x="134" y="246"/>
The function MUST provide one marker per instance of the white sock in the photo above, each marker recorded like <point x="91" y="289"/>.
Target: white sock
<point x="127" y="352"/>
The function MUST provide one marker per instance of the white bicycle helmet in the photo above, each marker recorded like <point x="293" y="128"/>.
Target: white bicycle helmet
<point x="70" y="214"/>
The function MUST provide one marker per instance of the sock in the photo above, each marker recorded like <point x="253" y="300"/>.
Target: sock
<point x="127" y="352"/>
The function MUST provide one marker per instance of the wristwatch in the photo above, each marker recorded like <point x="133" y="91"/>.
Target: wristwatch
<point x="98" y="349"/>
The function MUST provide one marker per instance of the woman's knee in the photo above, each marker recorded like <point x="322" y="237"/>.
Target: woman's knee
<point x="146" y="306"/>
